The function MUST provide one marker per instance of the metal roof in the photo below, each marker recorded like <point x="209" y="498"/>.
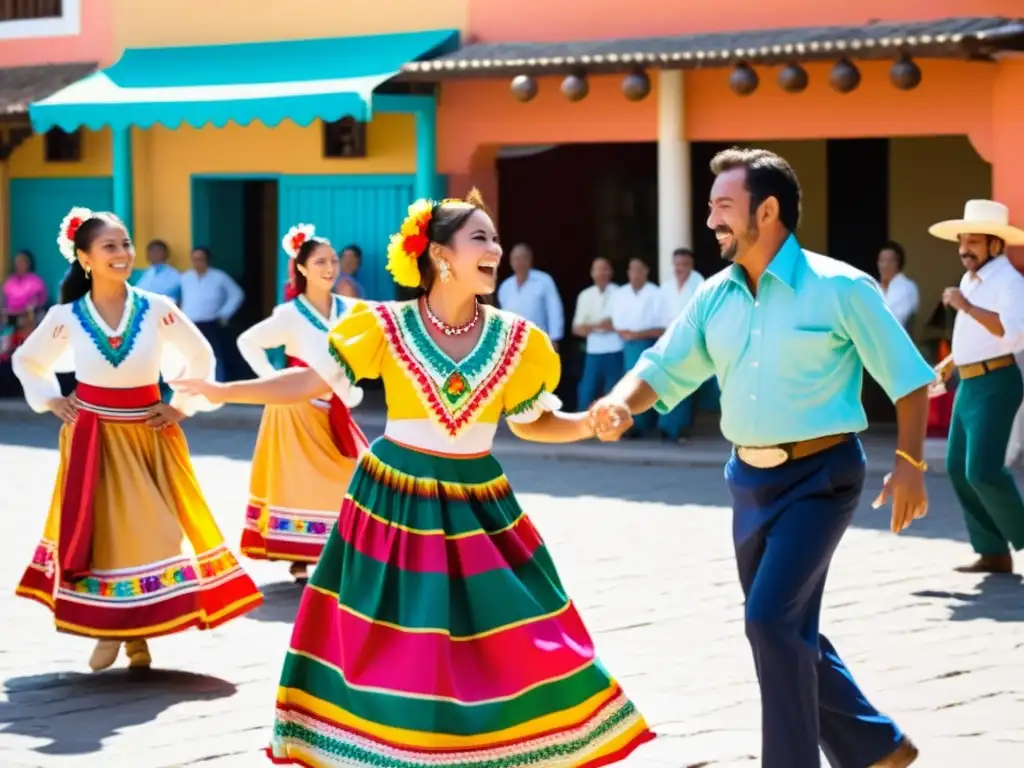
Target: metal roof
<point x="962" y="38"/>
<point x="20" y="86"/>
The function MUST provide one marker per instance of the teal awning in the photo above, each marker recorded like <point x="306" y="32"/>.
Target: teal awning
<point x="301" y="80"/>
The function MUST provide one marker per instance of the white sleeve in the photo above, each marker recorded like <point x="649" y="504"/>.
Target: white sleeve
<point x="266" y="334"/>
<point x="1010" y="308"/>
<point x="35" y="361"/>
<point x="185" y="354"/>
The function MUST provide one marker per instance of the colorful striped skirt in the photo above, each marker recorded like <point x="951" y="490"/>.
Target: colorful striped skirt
<point x="300" y="471"/>
<point x="130" y="548"/>
<point x="435" y="632"/>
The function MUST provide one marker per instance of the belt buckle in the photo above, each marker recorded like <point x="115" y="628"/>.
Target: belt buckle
<point x="763" y="458"/>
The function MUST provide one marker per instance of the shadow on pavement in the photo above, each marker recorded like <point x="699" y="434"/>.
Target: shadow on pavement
<point x="280" y="603"/>
<point x="52" y="706"/>
<point x="999" y="597"/>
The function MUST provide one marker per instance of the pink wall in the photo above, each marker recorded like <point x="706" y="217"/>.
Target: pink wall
<point x="544" y="20"/>
<point x="94" y="43"/>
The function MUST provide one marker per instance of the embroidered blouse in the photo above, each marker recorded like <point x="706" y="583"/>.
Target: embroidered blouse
<point x="299" y="327"/>
<point x="434" y="402"/>
<point x="153" y="338"/>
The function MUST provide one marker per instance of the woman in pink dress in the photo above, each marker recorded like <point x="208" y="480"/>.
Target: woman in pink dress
<point x="24" y="290"/>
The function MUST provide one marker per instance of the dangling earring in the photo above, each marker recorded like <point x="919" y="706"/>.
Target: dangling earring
<point x="88" y="272"/>
<point x="446" y="273"/>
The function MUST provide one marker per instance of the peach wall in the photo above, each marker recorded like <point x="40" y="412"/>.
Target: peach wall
<point x="544" y="20"/>
<point x="94" y="43"/>
<point x="1007" y="132"/>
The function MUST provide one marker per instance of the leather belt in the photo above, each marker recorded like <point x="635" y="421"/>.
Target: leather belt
<point x="973" y="370"/>
<point x="771" y="456"/>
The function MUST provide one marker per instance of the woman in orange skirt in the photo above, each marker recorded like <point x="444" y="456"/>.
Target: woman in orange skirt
<point x="305" y="452"/>
<point x="130" y="550"/>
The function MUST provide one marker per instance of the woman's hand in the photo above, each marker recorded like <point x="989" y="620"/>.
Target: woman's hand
<point x="211" y="390"/>
<point x="161" y="416"/>
<point x="65" y="408"/>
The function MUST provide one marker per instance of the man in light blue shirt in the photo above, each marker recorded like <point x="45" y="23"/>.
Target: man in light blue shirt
<point x="532" y="295"/>
<point x="160" y="277"/>
<point x="788" y="334"/>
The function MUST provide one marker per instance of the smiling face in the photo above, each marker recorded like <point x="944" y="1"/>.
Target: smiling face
<point x="473" y="255"/>
<point x="321" y="267"/>
<point x="976" y="250"/>
<point x="729" y="214"/>
<point x="111" y="255"/>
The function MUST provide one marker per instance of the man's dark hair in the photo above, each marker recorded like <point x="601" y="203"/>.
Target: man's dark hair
<point x="158" y="244"/>
<point x="682" y="252"/>
<point x="768" y="175"/>
<point x="901" y="255"/>
<point x="1002" y="243"/>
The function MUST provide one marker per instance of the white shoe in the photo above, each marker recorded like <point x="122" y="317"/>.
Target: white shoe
<point x="104" y="654"/>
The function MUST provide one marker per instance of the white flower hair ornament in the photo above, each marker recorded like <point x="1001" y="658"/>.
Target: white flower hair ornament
<point x="295" y="237"/>
<point x="66" y="234"/>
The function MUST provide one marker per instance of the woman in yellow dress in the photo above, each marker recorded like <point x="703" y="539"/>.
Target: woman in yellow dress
<point x="305" y="452"/>
<point x="130" y="550"/>
<point x="435" y="629"/>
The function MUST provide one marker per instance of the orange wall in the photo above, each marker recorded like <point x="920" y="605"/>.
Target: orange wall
<point x="544" y="20"/>
<point x="94" y="43"/>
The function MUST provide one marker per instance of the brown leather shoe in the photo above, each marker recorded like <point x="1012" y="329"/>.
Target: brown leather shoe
<point x="989" y="564"/>
<point x="905" y="754"/>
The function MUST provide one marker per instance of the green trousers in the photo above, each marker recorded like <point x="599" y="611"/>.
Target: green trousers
<point x="979" y="432"/>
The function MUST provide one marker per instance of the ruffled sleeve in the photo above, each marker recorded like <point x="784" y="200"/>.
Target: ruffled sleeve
<point x="184" y="354"/>
<point x="354" y="351"/>
<point x="266" y="334"/>
<point x="37" y="360"/>
<point x="530" y="391"/>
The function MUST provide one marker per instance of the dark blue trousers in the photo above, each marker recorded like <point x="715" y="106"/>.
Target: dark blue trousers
<point x="787" y="523"/>
<point x="601" y="372"/>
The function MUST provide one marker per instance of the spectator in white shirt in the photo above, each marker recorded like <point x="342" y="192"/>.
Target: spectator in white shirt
<point x="602" y="365"/>
<point x="638" y="315"/>
<point x="676" y="293"/>
<point x="901" y="294"/>
<point x="987" y="334"/>
<point x="532" y="295"/>
<point x="210" y="298"/>
<point x="160" y="277"/>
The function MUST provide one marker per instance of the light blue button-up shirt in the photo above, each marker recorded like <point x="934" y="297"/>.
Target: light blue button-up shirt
<point x="789" y="361"/>
<point x="162" y="279"/>
<point x="536" y="300"/>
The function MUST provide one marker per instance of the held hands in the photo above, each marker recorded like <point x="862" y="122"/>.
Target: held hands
<point x="211" y="390"/>
<point x="610" y="419"/>
<point x="905" y="487"/>
<point x="161" y="416"/>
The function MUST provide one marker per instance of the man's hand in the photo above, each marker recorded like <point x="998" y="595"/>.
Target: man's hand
<point x="952" y="297"/>
<point x="161" y="416"/>
<point x="936" y="389"/>
<point x="610" y="419"/>
<point x="629" y="335"/>
<point x="905" y="487"/>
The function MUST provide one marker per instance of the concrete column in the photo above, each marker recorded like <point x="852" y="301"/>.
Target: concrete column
<point x="123" y="179"/>
<point x="675" y="225"/>
<point x="426" y="151"/>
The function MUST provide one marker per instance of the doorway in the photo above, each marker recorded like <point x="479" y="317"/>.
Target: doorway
<point x="237" y="219"/>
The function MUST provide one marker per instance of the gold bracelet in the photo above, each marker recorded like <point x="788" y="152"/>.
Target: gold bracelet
<point x="920" y="466"/>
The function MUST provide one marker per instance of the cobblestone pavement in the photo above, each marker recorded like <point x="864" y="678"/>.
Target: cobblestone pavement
<point x="646" y="554"/>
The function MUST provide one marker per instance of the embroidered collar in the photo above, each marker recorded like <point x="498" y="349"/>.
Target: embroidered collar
<point x="454" y="394"/>
<point x="115" y="345"/>
<point x="312" y="314"/>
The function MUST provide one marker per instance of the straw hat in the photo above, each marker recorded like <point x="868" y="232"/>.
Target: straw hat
<point x="981" y="217"/>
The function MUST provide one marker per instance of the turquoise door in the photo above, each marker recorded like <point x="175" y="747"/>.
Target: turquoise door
<point x="37" y="208"/>
<point x="364" y="210"/>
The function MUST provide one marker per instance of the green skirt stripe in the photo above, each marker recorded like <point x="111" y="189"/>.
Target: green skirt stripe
<point x="478" y="470"/>
<point x="417" y="714"/>
<point x="465" y="607"/>
<point x="348" y="752"/>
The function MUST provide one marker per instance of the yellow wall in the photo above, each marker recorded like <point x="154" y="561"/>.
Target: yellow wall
<point x="28" y="160"/>
<point x="809" y="160"/>
<point x="930" y="179"/>
<point x="152" y="23"/>
<point x="165" y="161"/>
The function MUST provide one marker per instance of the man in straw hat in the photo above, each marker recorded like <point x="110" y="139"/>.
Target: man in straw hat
<point x="988" y="331"/>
